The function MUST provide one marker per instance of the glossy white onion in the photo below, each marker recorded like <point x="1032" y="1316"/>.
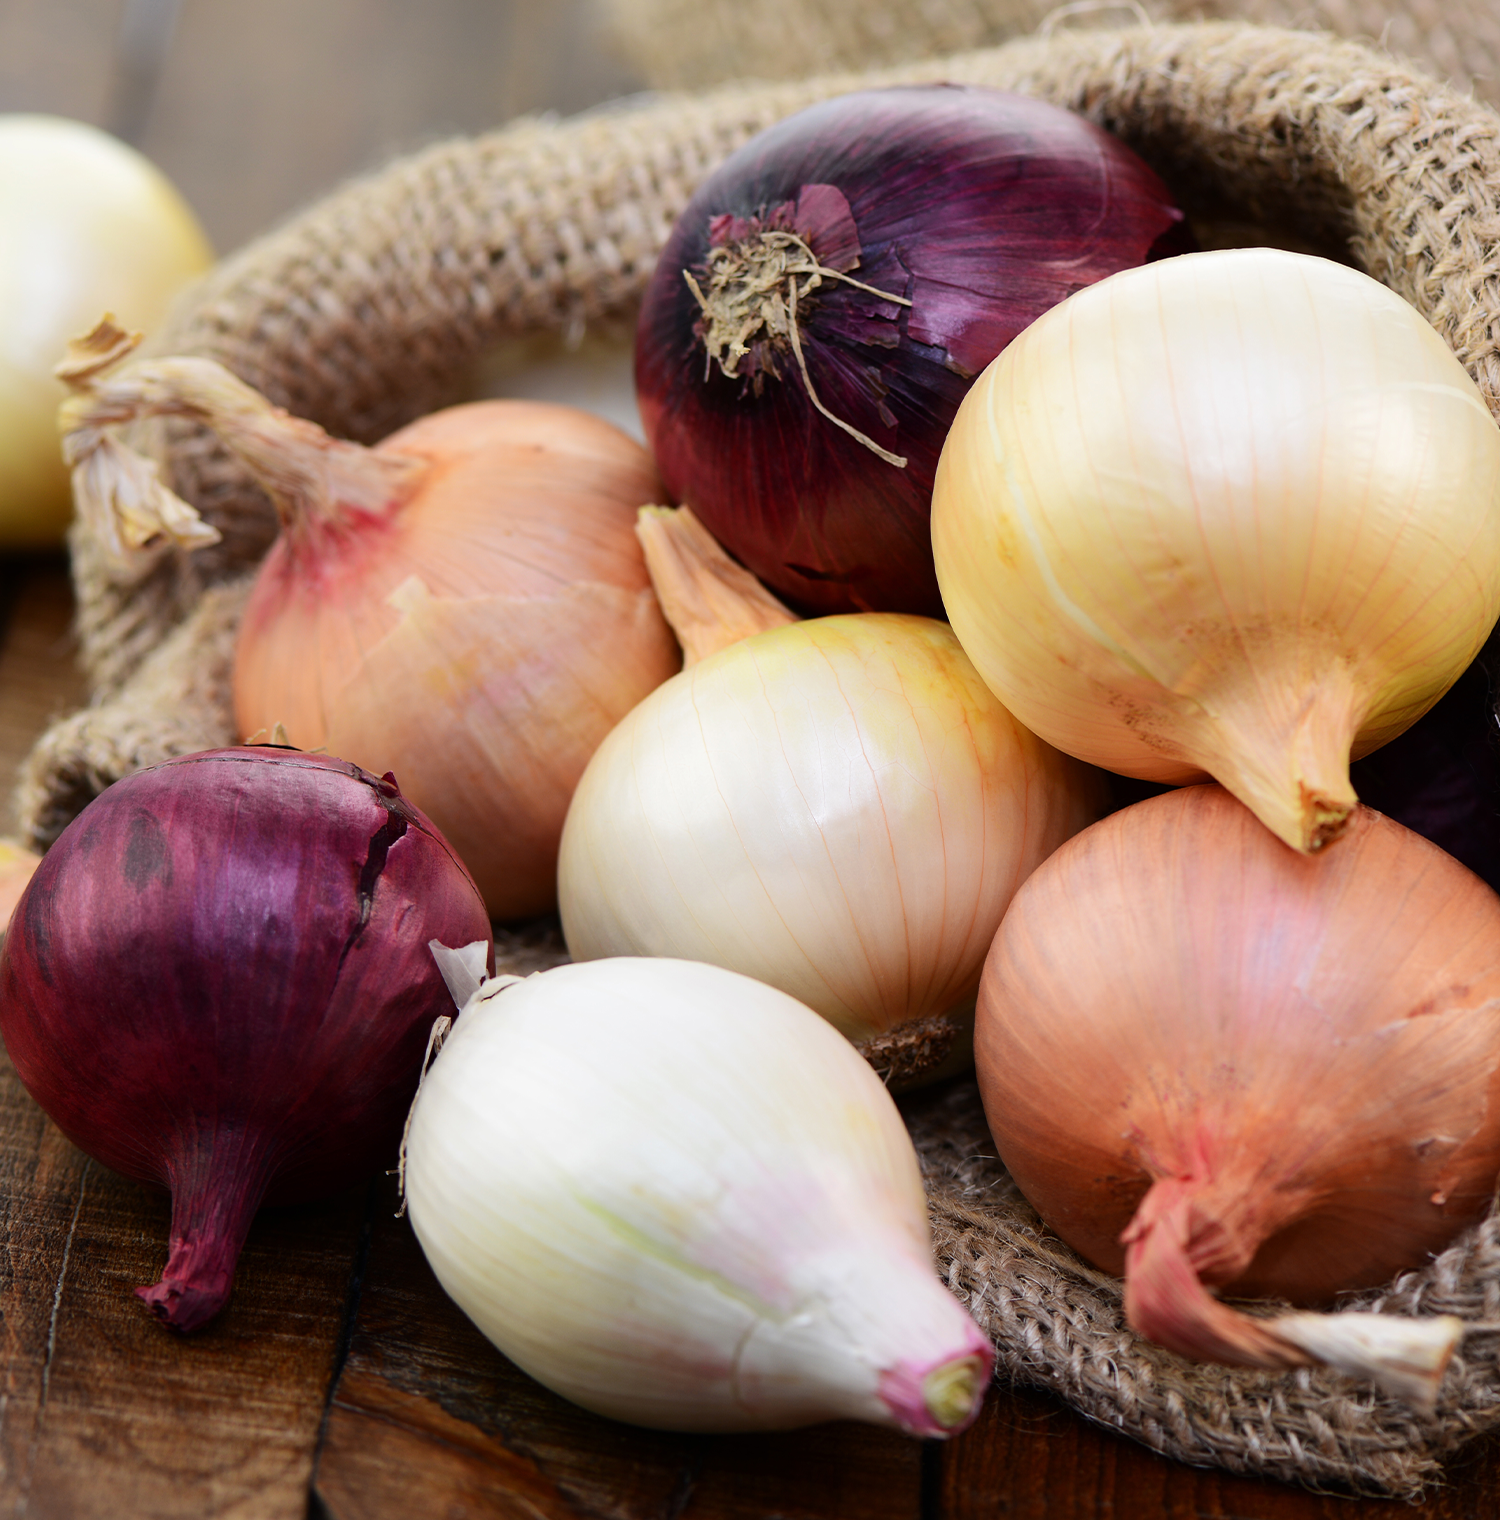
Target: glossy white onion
<point x="679" y="1198"/>
<point x="836" y="807"/>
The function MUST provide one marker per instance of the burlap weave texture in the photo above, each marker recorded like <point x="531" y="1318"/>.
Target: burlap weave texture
<point x="369" y="310"/>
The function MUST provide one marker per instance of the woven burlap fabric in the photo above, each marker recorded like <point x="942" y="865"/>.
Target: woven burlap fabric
<point x="677" y="44"/>
<point x="371" y="308"/>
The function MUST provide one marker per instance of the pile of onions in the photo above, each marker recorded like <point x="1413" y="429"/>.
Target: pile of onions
<point x="837" y="807"/>
<point x="219" y="980"/>
<point x="829" y="294"/>
<point x="1234" y="514"/>
<point x="677" y="1197"/>
<point x="1215" y="1063"/>
<point x="465" y="604"/>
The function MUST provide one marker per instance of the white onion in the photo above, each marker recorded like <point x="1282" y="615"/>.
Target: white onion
<point x="679" y="1198"/>
<point x="836" y="807"/>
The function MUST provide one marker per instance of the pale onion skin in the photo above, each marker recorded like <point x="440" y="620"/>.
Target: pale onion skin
<point x="837" y="807"/>
<point x="480" y="641"/>
<point x="1301" y="1054"/>
<point x="679" y="1198"/>
<point x="90" y="226"/>
<point x="1230" y="514"/>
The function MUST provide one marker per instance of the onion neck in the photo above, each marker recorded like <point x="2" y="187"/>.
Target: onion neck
<point x="937" y="1400"/>
<point x="319" y="485"/>
<point x="1280" y="742"/>
<point x="1187" y="1231"/>
<point x="709" y="600"/>
<point x="217" y="1185"/>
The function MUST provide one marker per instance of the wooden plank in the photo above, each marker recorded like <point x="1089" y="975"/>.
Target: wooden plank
<point x="1029" y="1457"/>
<point x="423" y="1391"/>
<point x="106" y="1413"/>
<point x="39" y="675"/>
<point x="261" y="108"/>
<point x="58" y="57"/>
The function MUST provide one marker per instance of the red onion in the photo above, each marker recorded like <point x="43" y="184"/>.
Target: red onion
<point x="966" y="213"/>
<point x="219" y="979"/>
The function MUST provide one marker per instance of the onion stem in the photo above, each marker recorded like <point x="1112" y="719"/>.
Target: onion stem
<point x="216" y="1190"/>
<point x="710" y="601"/>
<point x="314" y="480"/>
<point x="1166" y="1301"/>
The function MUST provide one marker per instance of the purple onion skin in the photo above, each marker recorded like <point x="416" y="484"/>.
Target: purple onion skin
<point x="982" y="208"/>
<point x="218" y="980"/>
<point x="1441" y="778"/>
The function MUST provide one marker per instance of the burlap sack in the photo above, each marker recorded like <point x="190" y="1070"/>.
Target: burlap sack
<point x="370" y="308"/>
<point x="685" y="43"/>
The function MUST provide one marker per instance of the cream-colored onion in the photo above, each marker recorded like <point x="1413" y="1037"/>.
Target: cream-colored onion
<point x="88" y="226"/>
<point x="836" y="807"/>
<point x="1233" y="513"/>
<point x="679" y="1198"/>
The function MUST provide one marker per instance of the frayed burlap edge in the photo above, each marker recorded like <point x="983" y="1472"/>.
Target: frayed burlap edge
<point x="368" y="309"/>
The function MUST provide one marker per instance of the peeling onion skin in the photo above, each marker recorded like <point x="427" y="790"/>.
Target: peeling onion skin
<point x="980" y="207"/>
<point x="1186" y="1025"/>
<point x="219" y="980"/>
<point x="837" y="807"/>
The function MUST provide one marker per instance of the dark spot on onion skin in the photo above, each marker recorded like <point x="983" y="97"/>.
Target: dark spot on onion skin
<point x="147" y="861"/>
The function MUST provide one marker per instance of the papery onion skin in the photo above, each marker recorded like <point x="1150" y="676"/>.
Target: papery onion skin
<point x="480" y="641"/>
<point x="678" y="1198"/>
<point x="219" y="980"/>
<point x="1234" y="514"/>
<point x="979" y="207"/>
<point x="1288" y="1064"/>
<point x="836" y="807"/>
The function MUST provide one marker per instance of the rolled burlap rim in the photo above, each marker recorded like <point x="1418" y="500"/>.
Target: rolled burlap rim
<point x="370" y="308"/>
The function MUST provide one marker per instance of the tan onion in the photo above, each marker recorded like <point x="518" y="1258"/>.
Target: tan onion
<point x="1214" y="1063"/>
<point x="1230" y="514"/>
<point x="465" y="604"/>
<point x="837" y="807"/>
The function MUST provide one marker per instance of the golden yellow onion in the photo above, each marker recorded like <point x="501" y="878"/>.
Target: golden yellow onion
<point x="88" y="226"/>
<point x="1230" y="514"/>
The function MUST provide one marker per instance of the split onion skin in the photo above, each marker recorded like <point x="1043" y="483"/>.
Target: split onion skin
<point x="677" y="1197"/>
<point x="480" y="640"/>
<point x="218" y="980"/>
<point x="90" y="225"/>
<point x="837" y="807"/>
<point x="1205" y="1057"/>
<point x="1035" y="203"/>
<point x="1235" y="514"/>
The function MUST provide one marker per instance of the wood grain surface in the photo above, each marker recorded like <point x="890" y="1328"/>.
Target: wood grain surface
<point x="341" y="1383"/>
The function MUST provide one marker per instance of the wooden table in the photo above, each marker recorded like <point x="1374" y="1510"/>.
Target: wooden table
<point x="341" y="1382"/>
